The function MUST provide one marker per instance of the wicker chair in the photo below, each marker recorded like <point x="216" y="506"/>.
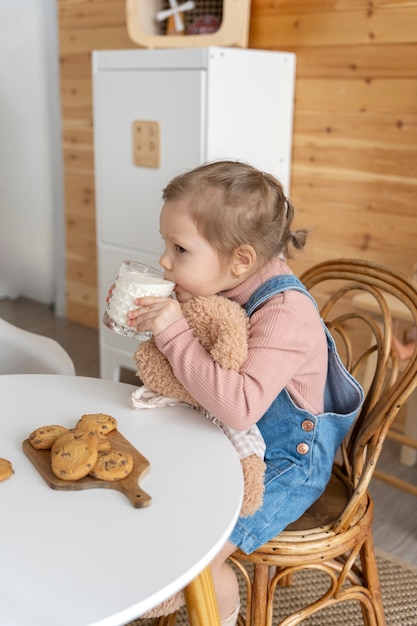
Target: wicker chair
<point x="334" y="536"/>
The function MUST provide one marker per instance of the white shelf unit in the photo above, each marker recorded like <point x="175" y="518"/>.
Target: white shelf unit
<point x="209" y="104"/>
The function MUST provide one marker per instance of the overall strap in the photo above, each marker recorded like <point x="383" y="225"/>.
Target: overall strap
<point x="342" y="394"/>
<point x="272" y="287"/>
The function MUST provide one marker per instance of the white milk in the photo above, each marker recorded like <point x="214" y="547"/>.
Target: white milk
<point x="132" y="285"/>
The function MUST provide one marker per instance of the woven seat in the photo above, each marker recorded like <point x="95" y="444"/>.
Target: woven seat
<point x="334" y="536"/>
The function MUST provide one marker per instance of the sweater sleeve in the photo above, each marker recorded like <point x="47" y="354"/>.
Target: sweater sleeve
<point x="287" y="348"/>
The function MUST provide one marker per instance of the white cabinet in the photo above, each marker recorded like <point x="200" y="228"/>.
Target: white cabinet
<point x="208" y="104"/>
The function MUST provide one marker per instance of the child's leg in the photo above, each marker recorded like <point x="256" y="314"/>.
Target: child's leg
<point x="404" y="350"/>
<point x="226" y="586"/>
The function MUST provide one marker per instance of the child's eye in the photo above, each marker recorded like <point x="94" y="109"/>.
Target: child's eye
<point x="179" y="249"/>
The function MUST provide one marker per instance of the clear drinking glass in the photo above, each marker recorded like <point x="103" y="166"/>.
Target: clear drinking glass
<point x="134" y="280"/>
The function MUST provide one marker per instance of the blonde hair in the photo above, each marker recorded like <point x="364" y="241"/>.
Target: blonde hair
<point x="233" y="203"/>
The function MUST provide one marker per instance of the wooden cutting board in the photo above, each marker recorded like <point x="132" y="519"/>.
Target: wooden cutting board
<point x="41" y="459"/>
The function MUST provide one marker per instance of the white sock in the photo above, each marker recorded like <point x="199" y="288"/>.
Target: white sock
<point x="232" y="619"/>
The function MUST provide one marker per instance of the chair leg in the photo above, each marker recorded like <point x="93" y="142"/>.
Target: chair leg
<point x="259" y="594"/>
<point x="286" y="581"/>
<point x="371" y="578"/>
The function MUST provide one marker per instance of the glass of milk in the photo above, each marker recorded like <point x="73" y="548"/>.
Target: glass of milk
<point x="134" y="280"/>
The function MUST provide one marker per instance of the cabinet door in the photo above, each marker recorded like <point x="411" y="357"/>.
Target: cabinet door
<point x="128" y="196"/>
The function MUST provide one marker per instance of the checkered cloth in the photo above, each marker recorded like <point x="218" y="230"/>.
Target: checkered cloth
<point x="246" y="442"/>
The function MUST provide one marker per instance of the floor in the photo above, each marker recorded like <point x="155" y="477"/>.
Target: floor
<point x="395" y="525"/>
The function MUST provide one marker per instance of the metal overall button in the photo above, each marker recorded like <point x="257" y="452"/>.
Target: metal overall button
<point x="302" y="448"/>
<point x="307" y="425"/>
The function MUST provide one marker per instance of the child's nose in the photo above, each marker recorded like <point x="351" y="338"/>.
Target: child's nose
<point x="165" y="262"/>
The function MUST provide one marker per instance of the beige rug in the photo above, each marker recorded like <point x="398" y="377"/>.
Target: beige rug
<point x="399" y="591"/>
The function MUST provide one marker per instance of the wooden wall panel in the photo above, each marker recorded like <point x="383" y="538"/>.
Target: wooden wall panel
<point x="369" y="129"/>
<point x="389" y="25"/>
<point x="84" y="25"/>
<point x="364" y="94"/>
<point x="368" y="61"/>
<point x="272" y="7"/>
<point x="354" y="159"/>
<point x="354" y="168"/>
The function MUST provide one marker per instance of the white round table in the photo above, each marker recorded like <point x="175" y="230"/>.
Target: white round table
<point x="84" y="558"/>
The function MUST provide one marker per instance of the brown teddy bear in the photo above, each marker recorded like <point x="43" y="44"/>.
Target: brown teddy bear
<point x="222" y="328"/>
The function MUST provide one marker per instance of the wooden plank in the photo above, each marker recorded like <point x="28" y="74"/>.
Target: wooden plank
<point x="84" y="314"/>
<point x="82" y="294"/>
<point x="283" y="7"/>
<point x="357" y="61"/>
<point x="92" y="14"/>
<point x="81" y="226"/>
<point x="75" y="66"/>
<point x="359" y="232"/>
<point x="379" y="95"/>
<point x="76" y="113"/>
<point x="82" y="124"/>
<point x="80" y="248"/>
<point x="77" y="40"/>
<point x="79" y="194"/>
<point x="82" y="272"/>
<point x="268" y="7"/>
<point x="357" y="156"/>
<point x="118" y="4"/>
<point x="314" y="253"/>
<point x="78" y="137"/>
<point x="78" y="160"/>
<point x="80" y="231"/>
<point x="77" y="91"/>
<point x="378" y="129"/>
<point x="75" y="212"/>
<point x="331" y="187"/>
<point x="387" y="25"/>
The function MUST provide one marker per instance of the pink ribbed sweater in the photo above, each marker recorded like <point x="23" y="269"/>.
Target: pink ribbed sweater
<point x="287" y="348"/>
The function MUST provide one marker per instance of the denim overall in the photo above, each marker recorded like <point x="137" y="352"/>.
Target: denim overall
<point x="300" y="446"/>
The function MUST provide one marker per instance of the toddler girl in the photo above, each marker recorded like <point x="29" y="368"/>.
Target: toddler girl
<point x="227" y="230"/>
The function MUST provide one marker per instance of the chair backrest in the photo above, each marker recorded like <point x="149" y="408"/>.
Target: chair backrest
<point x="23" y="352"/>
<point x="364" y="344"/>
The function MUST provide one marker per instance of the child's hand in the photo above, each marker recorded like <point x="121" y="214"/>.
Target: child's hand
<point x="154" y="314"/>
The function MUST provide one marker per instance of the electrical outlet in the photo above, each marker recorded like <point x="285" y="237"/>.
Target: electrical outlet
<point x="146" y="144"/>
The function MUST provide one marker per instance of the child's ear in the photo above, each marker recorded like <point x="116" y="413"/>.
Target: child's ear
<point x="243" y="260"/>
